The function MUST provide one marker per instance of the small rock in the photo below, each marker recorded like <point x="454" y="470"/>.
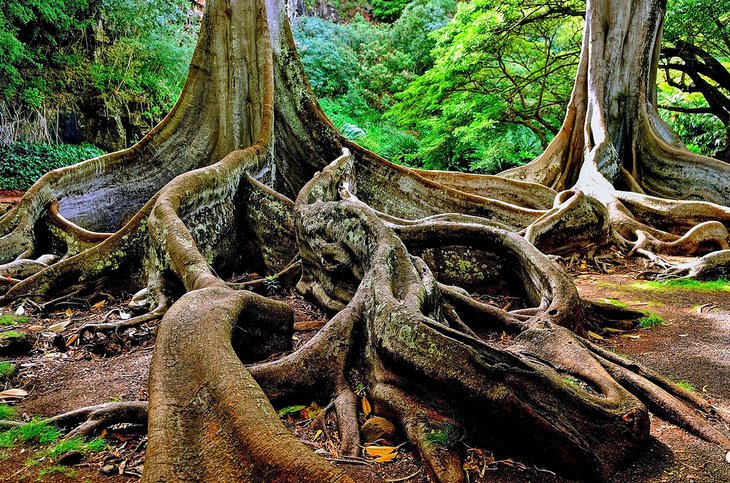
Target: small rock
<point x="108" y="469"/>
<point x="59" y="342"/>
<point x="71" y="458"/>
<point x="376" y="428"/>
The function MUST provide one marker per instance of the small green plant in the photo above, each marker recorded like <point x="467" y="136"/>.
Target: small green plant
<point x="11" y="334"/>
<point x="290" y="410"/>
<point x="686" y="385"/>
<point x="35" y="431"/>
<point x="444" y="434"/>
<point x="7" y="369"/>
<point x="272" y="284"/>
<point x="75" y="444"/>
<point x="6" y="412"/>
<point x="650" y="320"/>
<point x="58" y="470"/>
<point x="12" y="319"/>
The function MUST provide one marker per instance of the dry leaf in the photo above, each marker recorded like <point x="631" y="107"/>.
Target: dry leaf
<point x="20" y="310"/>
<point x="727" y="457"/>
<point x="386" y="458"/>
<point x="59" y="326"/>
<point x="593" y="335"/>
<point x="99" y="304"/>
<point x="124" y="315"/>
<point x="35" y="328"/>
<point x="615" y="331"/>
<point x="72" y="339"/>
<point x="629" y="336"/>
<point x="13" y="394"/>
<point x="366" y="409"/>
<point x="377" y="451"/>
<point x="69" y="312"/>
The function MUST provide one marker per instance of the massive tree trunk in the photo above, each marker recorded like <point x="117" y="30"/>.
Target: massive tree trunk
<point x="246" y="173"/>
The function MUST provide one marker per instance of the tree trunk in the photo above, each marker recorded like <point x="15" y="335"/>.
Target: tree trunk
<point x="239" y="177"/>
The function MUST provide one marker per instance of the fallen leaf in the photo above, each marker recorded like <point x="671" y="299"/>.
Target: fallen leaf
<point x="290" y="410"/>
<point x="20" y="310"/>
<point x="377" y="451"/>
<point x="72" y="339"/>
<point x="36" y="328"/>
<point x="99" y="304"/>
<point x="593" y="335"/>
<point x="59" y="326"/>
<point x="124" y="315"/>
<point x="629" y="336"/>
<point x="366" y="409"/>
<point x="615" y="331"/>
<point x="69" y="313"/>
<point x="386" y="458"/>
<point x="13" y="394"/>
<point x="317" y="435"/>
<point x="727" y="457"/>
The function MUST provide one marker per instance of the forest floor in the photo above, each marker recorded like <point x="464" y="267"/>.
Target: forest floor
<point x="63" y="372"/>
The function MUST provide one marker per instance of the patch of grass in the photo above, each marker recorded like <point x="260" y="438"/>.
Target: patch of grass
<point x="35" y="431"/>
<point x="686" y="385"/>
<point x="6" y="412"/>
<point x="616" y="303"/>
<point x="7" y="369"/>
<point x="58" y="470"/>
<point x="650" y="320"/>
<point x="11" y="334"/>
<point x="12" y="319"/>
<point x="685" y="284"/>
<point x="75" y="444"/>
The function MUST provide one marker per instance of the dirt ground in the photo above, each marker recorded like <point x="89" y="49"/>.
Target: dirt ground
<point x="691" y="345"/>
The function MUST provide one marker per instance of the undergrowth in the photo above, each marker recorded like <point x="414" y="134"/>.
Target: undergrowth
<point x="6" y="412"/>
<point x="35" y="431"/>
<point x="650" y="320"/>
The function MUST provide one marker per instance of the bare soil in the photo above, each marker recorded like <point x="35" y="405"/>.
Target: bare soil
<point x="691" y="345"/>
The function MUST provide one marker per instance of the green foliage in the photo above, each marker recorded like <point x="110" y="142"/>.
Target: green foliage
<point x="12" y="319"/>
<point x="7" y="369"/>
<point x="34" y="432"/>
<point x="356" y="69"/>
<point x="443" y="434"/>
<point x="112" y="51"/>
<point x="290" y="410"/>
<point x="30" y="30"/>
<point x="11" y="334"/>
<point x="650" y="320"/>
<point x="74" y="444"/>
<point x="6" y="412"/>
<point x="387" y="10"/>
<point x="498" y="87"/>
<point x="21" y="164"/>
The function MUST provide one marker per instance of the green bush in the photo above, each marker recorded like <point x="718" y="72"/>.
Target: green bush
<point x="21" y="164"/>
